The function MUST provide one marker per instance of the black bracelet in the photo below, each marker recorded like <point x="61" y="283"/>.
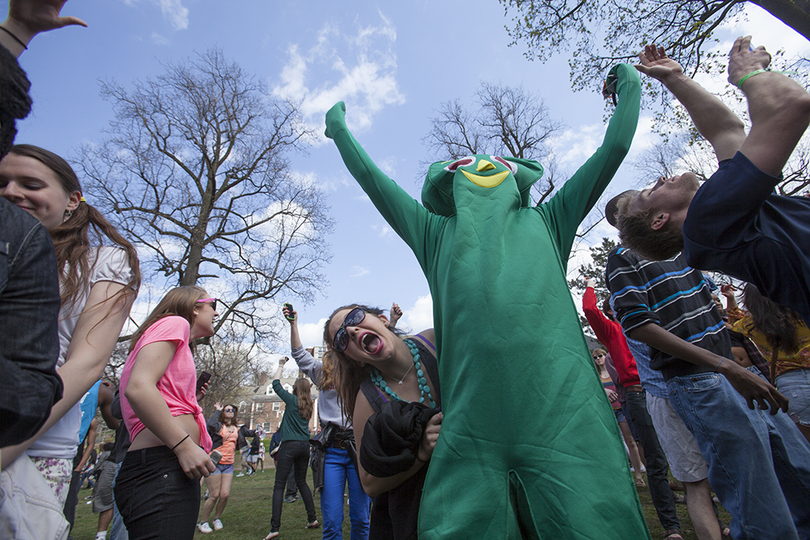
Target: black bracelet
<point x="18" y="40"/>
<point x="181" y="440"/>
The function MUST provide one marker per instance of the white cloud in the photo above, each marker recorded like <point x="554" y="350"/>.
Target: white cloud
<point x="419" y="316"/>
<point x="157" y="39"/>
<point x="359" y="271"/>
<point x="312" y="333"/>
<point x="384" y="231"/>
<point x="173" y="11"/>
<point x="359" y="69"/>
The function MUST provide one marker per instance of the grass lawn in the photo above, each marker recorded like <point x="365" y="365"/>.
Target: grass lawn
<point x="247" y="516"/>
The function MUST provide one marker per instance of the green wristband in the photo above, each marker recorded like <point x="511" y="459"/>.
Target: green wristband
<point x="745" y="78"/>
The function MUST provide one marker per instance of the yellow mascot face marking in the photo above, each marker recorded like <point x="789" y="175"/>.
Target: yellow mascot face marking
<point x="494" y="173"/>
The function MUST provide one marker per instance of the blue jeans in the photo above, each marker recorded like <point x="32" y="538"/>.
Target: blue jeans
<point x="155" y="497"/>
<point x="338" y="468"/>
<point x="657" y="466"/>
<point x="759" y="465"/>
<point x="291" y="454"/>
<point x="117" y="529"/>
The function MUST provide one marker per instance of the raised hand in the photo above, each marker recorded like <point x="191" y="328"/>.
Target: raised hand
<point x="335" y="119"/>
<point x="744" y="60"/>
<point x="30" y="17"/>
<point x="655" y="63"/>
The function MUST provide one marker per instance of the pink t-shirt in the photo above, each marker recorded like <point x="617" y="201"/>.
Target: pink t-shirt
<point x="178" y="385"/>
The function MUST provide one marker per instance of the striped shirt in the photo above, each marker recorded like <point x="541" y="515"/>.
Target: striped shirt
<point x="673" y="295"/>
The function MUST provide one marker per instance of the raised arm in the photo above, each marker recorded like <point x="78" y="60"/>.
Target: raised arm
<point x="778" y="106"/>
<point x="569" y="206"/>
<point x="27" y="18"/>
<point x="411" y="221"/>
<point x="306" y="362"/>
<point x="595" y="317"/>
<point x="712" y="118"/>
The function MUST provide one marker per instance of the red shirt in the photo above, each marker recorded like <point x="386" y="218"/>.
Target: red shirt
<point x="609" y="333"/>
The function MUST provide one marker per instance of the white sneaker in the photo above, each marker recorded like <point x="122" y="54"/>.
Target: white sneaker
<point x="217" y="525"/>
<point x="205" y="528"/>
<point x="240" y="474"/>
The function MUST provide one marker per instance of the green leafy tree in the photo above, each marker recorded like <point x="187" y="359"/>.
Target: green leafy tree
<point x="602" y="33"/>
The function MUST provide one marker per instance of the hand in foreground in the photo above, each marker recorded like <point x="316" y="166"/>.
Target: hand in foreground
<point x="744" y="60"/>
<point x="753" y="388"/>
<point x="429" y="437"/>
<point x="290" y="314"/>
<point x="30" y="17"/>
<point x="655" y="63"/>
<point x="194" y="461"/>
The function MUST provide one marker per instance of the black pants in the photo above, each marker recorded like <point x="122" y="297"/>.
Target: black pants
<point x="291" y="453"/>
<point x="657" y="466"/>
<point x="155" y="497"/>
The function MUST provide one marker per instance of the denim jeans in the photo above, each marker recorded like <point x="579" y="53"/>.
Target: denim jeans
<point x="338" y="470"/>
<point x="117" y="529"/>
<point x="156" y="498"/>
<point x="291" y="453"/>
<point x="795" y="385"/>
<point x="759" y="465"/>
<point x="657" y="467"/>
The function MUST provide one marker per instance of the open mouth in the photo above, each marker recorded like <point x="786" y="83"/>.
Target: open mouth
<point x="371" y="343"/>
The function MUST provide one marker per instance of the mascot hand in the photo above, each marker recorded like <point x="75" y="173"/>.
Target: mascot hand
<point x="335" y="119"/>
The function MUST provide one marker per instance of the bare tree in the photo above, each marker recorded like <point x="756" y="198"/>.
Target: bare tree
<point x="195" y="170"/>
<point x="508" y="121"/>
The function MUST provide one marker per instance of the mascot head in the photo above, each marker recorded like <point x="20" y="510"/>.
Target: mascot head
<point x="484" y="171"/>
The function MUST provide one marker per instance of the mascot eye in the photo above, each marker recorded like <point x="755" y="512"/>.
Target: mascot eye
<point x="508" y="164"/>
<point x="463" y="162"/>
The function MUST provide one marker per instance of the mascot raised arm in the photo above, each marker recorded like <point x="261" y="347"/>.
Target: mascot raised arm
<point x="529" y="446"/>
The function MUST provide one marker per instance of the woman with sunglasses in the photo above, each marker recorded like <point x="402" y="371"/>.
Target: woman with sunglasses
<point x="225" y="435"/>
<point x="158" y="489"/>
<point x="371" y="365"/>
<point x="293" y="450"/>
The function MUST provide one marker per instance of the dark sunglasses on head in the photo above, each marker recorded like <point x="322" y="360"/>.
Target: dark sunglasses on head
<point x="213" y="302"/>
<point x="341" y="340"/>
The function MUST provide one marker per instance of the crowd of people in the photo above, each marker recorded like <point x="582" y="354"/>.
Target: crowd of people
<point x="716" y="396"/>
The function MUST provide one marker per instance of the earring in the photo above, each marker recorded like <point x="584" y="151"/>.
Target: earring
<point x="68" y="215"/>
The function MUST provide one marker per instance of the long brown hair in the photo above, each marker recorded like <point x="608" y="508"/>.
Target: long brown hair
<point x="340" y="371"/>
<point x="179" y="301"/>
<point x="301" y="389"/>
<point x="778" y="323"/>
<point x="72" y="238"/>
<point x="228" y="421"/>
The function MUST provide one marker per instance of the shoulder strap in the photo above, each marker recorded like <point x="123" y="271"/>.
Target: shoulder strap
<point x="372" y="394"/>
<point x="431" y="366"/>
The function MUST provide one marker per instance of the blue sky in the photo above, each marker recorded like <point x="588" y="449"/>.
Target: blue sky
<point x="392" y="63"/>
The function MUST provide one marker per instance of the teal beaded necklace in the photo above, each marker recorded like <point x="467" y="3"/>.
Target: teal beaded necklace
<point x="424" y="389"/>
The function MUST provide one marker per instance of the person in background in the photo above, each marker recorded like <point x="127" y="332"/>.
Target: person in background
<point x="609" y="332"/>
<point x="293" y="448"/>
<point x="784" y="340"/>
<point x="224" y="433"/>
<point x="340" y="455"/>
<point x="102" y="495"/>
<point x="158" y="486"/>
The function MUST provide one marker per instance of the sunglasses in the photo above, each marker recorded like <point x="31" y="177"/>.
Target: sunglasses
<point x="228" y="409"/>
<point x="341" y="340"/>
<point x="213" y="302"/>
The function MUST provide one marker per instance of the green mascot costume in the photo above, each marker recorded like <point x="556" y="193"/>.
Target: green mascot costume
<point x="529" y="446"/>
